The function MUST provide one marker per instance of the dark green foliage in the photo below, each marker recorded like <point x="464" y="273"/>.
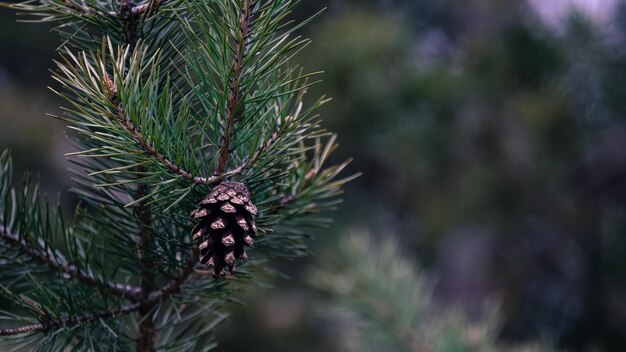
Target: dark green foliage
<point x="164" y="100"/>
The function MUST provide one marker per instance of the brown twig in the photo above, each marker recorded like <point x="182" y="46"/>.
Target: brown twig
<point x="147" y="296"/>
<point x="233" y="111"/>
<point x="218" y="176"/>
<point x="69" y="322"/>
<point x="145" y="339"/>
<point x="58" y="263"/>
<point x="151" y="150"/>
<point x="147" y="302"/>
<point x="235" y="108"/>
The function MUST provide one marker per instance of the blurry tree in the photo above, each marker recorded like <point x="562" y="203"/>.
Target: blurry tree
<point x="496" y="144"/>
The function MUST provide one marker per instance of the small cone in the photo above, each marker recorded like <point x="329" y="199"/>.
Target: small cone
<point x="226" y="225"/>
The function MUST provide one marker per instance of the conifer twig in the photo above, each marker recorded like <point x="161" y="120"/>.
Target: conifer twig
<point x="162" y="159"/>
<point x="69" y="322"/>
<point x="134" y="141"/>
<point x="165" y="161"/>
<point x="146" y="329"/>
<point x="58" y="263"/>
<point x="234" y="109"/>
<point x="148" y="301"/>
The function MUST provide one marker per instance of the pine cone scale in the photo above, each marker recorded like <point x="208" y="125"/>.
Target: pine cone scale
<point x="228" y="208"/>
<point x="228" y="239"/>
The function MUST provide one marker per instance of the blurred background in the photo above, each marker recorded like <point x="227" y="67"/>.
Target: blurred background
<point x="492" y="139"/>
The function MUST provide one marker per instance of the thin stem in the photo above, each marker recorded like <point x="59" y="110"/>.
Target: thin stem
<point x="235" y="108"/>
<point x="174" y="168"/>
<point x="57" y="262"/>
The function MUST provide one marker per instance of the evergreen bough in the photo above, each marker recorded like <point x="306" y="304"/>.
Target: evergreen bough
<point x="165" y="100"/>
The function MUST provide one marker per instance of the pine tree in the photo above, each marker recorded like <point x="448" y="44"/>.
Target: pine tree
<point x="166" y="100"/>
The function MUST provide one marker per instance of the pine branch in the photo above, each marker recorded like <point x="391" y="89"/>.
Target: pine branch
<point x="146" y="244"/>
<point x="167" y="162"/>
<point x="148" y="301"/>
<point x="58" y="263"/>
<point x="151" y="150"/>
<point x="197" y="94"/>
<point x="235" y="108"/>
<point x="73" y="321"/>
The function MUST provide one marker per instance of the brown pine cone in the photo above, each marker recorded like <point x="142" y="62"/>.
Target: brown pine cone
<point x="226" y="224"/>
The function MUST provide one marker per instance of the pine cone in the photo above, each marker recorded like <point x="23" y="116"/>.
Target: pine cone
<point x="226" y="225"/>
